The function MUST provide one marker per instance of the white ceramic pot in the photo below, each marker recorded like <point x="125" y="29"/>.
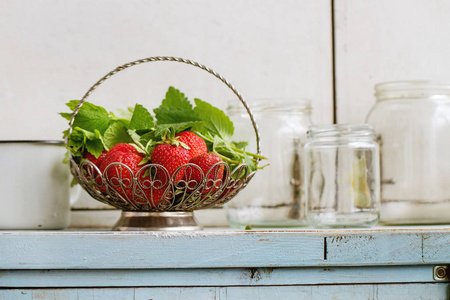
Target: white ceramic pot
<point x="34" y="185"/>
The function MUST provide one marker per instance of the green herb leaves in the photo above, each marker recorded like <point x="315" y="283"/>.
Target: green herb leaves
<point x="216" y="122"/>
<point x="141" y="119"/>
<point x="96" y="130"/>
<point x="175" y="108"/>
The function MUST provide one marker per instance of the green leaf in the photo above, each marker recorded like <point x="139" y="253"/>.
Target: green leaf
<point x="249" y="162"/>
<point x="115" y="134"/>
<point x="91" y="117"/>
<point x="135" y="137"/>
<point x="239" y="145"/>
<point x="90" y="135"/>
<point x="76" y="140"/>
<point x="82" y="140"/>
<point x="175" y="108"/>
<point x="162" y="129"/>
<point x="166" y="115"/>
<point x="72" y="104"/>
<point x="95" y="147"/>
<point x="67" y="116"/>
<point x="141" y="119"/>
<point x="176" y="99"/>
<point x="215" y="120"/>
<point x="126" y="114"/>
<point x="73" y="182"/>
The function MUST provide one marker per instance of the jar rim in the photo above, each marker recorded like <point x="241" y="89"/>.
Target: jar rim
<point x="259" y="105"/>
<point x="411" y="89"/>
<point x="341" y="130"/>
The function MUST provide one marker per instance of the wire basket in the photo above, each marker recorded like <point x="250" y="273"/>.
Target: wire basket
<point x="152" y="199"/>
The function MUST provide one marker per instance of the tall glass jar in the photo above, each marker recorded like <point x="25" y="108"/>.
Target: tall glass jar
<point x="342" y="179"/>
<point x="412" y="119"/>
<point x="274" y="197"/>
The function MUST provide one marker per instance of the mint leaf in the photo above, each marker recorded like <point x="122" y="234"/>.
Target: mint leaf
<point x="76" y="142"/>
<point x="126" y="114"/>
<point x="164" y="129"/>
<point x="67" y="116"/>
<point x="115" y="134"/>
<point x="175" y="108"/>
<point x="95" y="147"/>
<point x="222" y="147"/>
<point x="72" y="104"/>
<point x="215" y="120"/>
<point x="176" y="99"/>
<point x="166" y="115"/>
<point x="250" y="163"/>
<point x="135" y="137"/>
<point x="141" y="119"/>
<point x="81" y="140"/>
<point x="239" y="145"/>
<point x="90" y="117"/>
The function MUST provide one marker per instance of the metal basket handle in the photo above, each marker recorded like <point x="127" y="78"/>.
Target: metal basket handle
<point x="175" y="59"/>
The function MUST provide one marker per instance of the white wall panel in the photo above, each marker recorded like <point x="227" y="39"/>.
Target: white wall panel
<point x="52" y="51"/>
<point x="386" y="40"/>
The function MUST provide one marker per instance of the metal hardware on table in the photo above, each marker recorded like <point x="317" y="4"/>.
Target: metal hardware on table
<point x="441" y="273"/>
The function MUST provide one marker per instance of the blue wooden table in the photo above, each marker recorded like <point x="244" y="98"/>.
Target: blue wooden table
<point x="379" y="263"/>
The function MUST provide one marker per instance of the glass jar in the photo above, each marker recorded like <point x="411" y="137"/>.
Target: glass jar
<point x="342" y="178"/>
<point x="274" y="197"/>
<point x="412" y="119"/>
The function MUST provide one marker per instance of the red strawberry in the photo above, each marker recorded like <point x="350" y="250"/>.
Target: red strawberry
<point x="170" y="157"/>
<point x="124" y="147"/>
<point x="118" y="176"/>
<point x="93" y="159"/>
<point x="154" y="195"/>
<point x="91" y="173"/>
<point x="205" y="161"/>
<point x="196" y="144"/>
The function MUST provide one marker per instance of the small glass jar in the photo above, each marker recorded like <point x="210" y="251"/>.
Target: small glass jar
<point x="412" y="120"/>
<point x="274" y="197"/>
<point x="342" y="178"/>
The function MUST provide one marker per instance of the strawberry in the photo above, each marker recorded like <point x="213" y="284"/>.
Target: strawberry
<point x="124" y="147"/>
<point x="196" y="144"/>
<point x="170" y="157"/>
<point x="91" y="173"/>
<point x="93" y="159"/>
<point x="120" y="178"/>
<point x="154" y="195"/>
<point x="206" y="161"/>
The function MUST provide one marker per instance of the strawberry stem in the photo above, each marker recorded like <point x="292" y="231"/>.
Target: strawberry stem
<point x="224" y="158"/>
<point x="249" y="154"/>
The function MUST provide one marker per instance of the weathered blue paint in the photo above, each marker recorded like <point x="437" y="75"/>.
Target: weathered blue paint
<point x="380" y="263"/>
<point x="216" y="277"/>
<point x="337" y="292"/>
<point x="222" y="249"/>
<point x="374" y="249"/>
<point x="106" y="250"/>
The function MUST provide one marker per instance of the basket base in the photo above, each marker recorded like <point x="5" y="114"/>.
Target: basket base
<point x="157" y="221"/>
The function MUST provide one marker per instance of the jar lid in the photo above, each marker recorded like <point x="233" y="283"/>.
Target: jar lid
<point x="286" y="105"/>
<point x="412" y="89"/>
<point x="334" y="131"/>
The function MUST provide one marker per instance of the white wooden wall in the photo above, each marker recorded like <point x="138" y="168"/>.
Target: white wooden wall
<point x="52" y="51"/>
<point x="386" y="40"/>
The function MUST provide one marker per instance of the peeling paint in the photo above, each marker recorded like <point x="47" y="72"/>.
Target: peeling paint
<point x="268" y="271"/>
<point x="254" y="274"/>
